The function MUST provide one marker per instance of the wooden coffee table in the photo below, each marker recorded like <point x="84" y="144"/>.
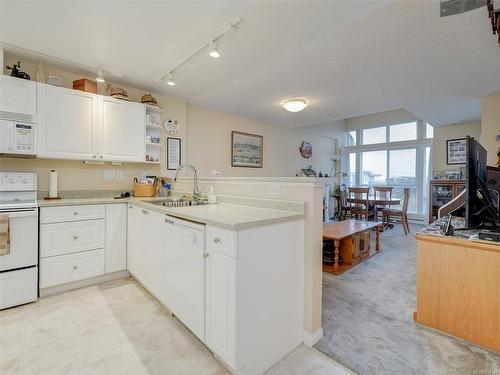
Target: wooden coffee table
<point x="351" y="239"/>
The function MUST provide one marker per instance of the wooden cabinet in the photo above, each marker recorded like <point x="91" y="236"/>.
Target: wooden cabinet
<point x="17" y="99"/>
<point x="121" y="130"/>
<point x="116" y="237"/>
<point x="67" y="122"/>
<point x="78" y="125"/>
<point x="442" y="192"/>
<point x="221" y="300"/>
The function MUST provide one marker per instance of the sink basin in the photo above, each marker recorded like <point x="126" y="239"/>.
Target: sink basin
<point x="177" y="202"/>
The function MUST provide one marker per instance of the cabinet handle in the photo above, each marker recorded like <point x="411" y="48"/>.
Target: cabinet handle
<point x="130" y="207"/>
<point x="145" y="212"/>
<point x="216" y="239"/>
<point x="101" y="156"/>
<point x="75" y="267"/>
<point x="75" y="213"/>
<point x="75" y="237"/>
<point x="206" y="255"/>
<point x="94" y="156"/>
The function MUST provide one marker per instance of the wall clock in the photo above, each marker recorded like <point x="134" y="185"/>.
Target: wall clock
<point x="172" y="127"/>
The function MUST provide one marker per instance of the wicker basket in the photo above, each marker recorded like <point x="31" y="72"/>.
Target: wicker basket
<point x="144" y="190"/>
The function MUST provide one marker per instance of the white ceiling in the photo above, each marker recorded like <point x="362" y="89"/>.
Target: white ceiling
<point x="348" y="58"/>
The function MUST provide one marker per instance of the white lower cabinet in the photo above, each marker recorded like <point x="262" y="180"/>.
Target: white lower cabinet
<point x="145" y="248"/>
<point x="81" y="242"/>
<point x="71" y="267"/>
<point x="116" y="237"/>
<point x="220" y="287"/>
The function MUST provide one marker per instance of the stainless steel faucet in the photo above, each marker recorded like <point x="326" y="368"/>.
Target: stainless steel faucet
<point x="196" y="191"/>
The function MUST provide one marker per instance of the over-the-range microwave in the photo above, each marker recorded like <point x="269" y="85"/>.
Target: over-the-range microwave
<point x="17" y="138"/>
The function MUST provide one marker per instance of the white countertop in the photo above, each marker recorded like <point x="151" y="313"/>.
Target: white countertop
<point x="229" y="216"/>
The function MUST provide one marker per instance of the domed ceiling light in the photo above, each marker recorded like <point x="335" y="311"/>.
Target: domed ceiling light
<point x="294" y="105"/>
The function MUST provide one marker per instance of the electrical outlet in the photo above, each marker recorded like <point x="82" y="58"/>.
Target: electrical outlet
<point x="274" y="189"/>
<point x="119" y="174"/>
<point x="109" y="174"/>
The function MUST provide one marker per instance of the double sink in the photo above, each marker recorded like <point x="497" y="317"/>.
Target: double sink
<point x="178" y="202"/>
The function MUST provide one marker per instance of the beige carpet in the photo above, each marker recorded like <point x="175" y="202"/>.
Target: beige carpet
<point x="368" y="320"/>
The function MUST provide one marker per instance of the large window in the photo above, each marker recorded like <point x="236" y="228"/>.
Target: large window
<point x="374" y="135"/>
<point x="429" y="131"/>
<point x="374" y="168"/>
<point x="396" y="155"/>
<point x="403" y="132"/>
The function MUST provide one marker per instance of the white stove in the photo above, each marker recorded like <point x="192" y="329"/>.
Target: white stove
<point x="18" y="224"/>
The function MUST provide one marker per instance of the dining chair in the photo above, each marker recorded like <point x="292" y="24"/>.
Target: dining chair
<point x="359" y="203"/>
<point x="402" y="214"/>
<point x="382" y="193"/>
<point x="344" y="207"/>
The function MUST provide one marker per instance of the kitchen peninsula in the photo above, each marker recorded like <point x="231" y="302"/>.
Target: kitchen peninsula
<point x="214" y="266"/>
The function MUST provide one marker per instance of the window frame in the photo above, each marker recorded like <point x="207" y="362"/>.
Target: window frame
<point x="420" y="144"/>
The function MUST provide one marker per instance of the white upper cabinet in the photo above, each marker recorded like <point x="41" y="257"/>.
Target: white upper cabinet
<point x="121" y="130"/>
<point x="67" y="122"/>
<point x="17" y="99"/>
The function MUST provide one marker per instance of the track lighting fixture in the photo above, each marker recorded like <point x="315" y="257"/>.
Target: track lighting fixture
<point x="214" y="50"/>
<point x="170" y="80"/>
<point x="100" y="76"/>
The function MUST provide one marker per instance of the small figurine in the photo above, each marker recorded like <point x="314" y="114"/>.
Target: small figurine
<point x="17" y="73"/>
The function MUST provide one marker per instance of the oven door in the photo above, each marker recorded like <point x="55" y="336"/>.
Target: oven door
<point x="23" y="230"/>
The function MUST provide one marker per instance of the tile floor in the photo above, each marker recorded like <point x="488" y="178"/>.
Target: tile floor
<point x="117" y="328"/>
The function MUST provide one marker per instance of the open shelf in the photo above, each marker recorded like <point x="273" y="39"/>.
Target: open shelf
<point x="153" y="126"/>
<point x="154" y="144"/>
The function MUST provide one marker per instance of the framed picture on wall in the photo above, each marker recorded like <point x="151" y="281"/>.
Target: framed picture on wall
<point x="456" y="151"/>
<point x="173" y="153"/>
<point x="247" y="150"/>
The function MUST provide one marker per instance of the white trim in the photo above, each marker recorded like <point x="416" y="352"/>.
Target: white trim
<point x="83" y="283"/>
<point x="310" y="339"/>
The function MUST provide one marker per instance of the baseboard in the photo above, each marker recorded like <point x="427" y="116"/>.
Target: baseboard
<point x="83" y="283"/>
<point x="310" y="339"/>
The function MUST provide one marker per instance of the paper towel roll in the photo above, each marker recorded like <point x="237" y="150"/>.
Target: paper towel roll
<point x="53" y="184"/>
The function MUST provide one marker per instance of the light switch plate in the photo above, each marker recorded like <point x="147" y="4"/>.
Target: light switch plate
<point x="119" y="174"/>
<point x="274" y="189"/>
<point x="109" y="174"/>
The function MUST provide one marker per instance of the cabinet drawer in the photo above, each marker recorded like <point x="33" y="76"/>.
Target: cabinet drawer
<point x="71" y="237"/>
<point x="71" y="213"/>
<point x="222" y="241"/>
<point x="72" y="267"/>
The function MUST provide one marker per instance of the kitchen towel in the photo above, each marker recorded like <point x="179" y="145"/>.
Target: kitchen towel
<point x="4" y="234"/>
<point x="53" y="184"/>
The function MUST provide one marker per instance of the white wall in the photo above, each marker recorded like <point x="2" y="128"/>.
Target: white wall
<point x="453" y="131"/>
<point x="378" y="119"/>
<point x="209" y="145"/>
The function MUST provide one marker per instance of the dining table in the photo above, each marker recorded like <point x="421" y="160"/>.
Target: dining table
<point x="372" y="201"/>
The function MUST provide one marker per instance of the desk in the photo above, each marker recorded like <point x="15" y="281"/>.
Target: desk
<point x="351" y="238"/>
<point x="458" y="288"/>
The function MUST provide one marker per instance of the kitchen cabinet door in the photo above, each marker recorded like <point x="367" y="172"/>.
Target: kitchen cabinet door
<point x="154" y="255"/>
<point x="67" y="123"/>
<point x="121" y="130"/>
<point x="220" y="284"/>
<point x="116" y="237"/>
<point x="136" y="237"/>
<point x="17" y="99"/>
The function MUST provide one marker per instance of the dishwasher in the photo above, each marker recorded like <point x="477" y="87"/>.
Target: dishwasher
<point x="185" y="273"/>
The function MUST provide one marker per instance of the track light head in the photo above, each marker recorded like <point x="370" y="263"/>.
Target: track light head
<point x="100" y="76"/>
<point x="214" y="50"/>
<point x="170" y="80"/>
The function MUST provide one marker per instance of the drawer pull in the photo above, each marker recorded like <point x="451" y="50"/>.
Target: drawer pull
<point x="75" y="267"/>
<point x="206" y="255"/>
<point x="75" y="213"/>
<point x="75" y="237"/>
<point x="145" y="212"/>
<point x="216" y="240"/>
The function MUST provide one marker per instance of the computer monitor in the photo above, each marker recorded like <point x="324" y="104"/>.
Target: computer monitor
<point x="481" y="209"/>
